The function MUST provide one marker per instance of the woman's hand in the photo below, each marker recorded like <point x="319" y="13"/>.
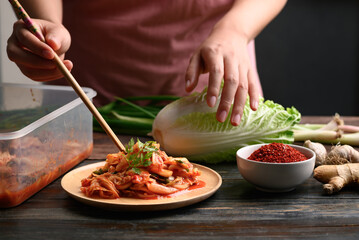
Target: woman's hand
<point x="224" y="55"/>
<point x="32" y="56"/>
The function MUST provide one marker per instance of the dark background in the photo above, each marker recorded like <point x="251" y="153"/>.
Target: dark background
<point x="308" y="57"/>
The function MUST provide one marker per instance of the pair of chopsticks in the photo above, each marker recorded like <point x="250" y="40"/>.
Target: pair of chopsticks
<point x="21" y="13"/>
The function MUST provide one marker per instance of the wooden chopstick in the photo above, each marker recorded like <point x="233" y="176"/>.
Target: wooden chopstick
<point x="71" y="80"/>
<point x="21" y="13"/>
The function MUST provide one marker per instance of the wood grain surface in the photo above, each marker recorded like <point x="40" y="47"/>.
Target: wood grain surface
<point x="236" y="211"/>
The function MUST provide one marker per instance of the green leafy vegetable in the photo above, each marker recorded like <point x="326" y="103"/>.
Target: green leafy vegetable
<point x="188" y="127"/>
<point x="141" y="155"/>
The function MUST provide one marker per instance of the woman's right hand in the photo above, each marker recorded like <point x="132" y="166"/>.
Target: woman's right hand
<point x="34" y="57"/>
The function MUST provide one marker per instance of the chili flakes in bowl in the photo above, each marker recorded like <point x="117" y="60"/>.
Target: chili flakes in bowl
<point x="277" y="153"/>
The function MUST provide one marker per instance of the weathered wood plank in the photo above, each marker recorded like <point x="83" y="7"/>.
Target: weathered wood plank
<point x="184" y="230"/>
<point x="237" y="210"/>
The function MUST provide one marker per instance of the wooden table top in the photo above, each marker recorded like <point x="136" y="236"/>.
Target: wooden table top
<point x="236" y="210"/>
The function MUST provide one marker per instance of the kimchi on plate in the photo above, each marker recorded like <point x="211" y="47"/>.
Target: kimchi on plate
<point x="143" y="171"/>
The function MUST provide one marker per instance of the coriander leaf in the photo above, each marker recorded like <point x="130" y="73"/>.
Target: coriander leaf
<point x="143" y="155"/>
<point x="136" y="170"/>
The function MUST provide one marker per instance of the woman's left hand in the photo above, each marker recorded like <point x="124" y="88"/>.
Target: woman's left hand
<point x="224" y="55"/>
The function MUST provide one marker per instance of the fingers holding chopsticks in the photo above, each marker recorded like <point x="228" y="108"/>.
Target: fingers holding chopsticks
<point x="34" y="57"/>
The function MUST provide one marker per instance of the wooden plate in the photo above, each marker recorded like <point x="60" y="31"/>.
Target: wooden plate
<point x="71" y="183"/>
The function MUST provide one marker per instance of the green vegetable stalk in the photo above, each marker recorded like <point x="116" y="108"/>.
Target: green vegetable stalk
<point x="126" y="117"/>
<point x="335" y="131"/>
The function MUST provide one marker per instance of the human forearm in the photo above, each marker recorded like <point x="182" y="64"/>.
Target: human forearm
<point x="249" y="17"/>
<point x="50" y="10"/>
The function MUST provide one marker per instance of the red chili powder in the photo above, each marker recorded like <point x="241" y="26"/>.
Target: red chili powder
<point x="277" y="153"/>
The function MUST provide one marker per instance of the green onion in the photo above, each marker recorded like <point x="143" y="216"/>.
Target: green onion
<point x="153" y="98"/>
<point x="140" y="123"/>
<point x="126" y="117"/>
<point x="137" y="107"/>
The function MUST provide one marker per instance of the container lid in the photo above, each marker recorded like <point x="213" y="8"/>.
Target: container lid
<point x="25" y="107"/>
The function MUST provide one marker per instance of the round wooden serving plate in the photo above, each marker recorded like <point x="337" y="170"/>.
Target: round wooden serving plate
<point x="71" y="183"/>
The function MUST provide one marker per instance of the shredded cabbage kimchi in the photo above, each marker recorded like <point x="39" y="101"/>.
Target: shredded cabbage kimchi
<point x="143" y="171"/>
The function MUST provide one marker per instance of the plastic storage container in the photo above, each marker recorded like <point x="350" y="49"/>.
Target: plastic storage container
<point x="44" y="132"/>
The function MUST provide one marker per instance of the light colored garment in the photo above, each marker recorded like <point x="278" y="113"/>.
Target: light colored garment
<point x="138" y="47"/>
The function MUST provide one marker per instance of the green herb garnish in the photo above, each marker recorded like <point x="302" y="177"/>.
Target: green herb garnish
<point x="140" y="157"/>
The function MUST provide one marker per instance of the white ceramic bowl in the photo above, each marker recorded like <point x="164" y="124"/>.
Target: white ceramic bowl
<point x="275" y="177"/>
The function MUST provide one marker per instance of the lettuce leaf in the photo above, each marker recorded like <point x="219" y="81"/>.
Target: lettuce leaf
<point x="188" y="127"/>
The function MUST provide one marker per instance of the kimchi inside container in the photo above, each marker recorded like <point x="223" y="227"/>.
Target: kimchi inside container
<point x="44" y="132"/>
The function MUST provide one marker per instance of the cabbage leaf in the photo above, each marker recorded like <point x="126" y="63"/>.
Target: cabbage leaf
<point x="188" y="127"/>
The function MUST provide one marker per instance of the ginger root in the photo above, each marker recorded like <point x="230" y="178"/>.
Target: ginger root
<point x="335" y="177"/>
<point x="338" y="168"/>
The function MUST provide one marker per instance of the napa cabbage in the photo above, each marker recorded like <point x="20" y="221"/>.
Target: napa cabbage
<point x="188" y="127"/>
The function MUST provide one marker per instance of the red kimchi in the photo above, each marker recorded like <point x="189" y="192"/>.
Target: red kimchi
<point x="143" y="171"/>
